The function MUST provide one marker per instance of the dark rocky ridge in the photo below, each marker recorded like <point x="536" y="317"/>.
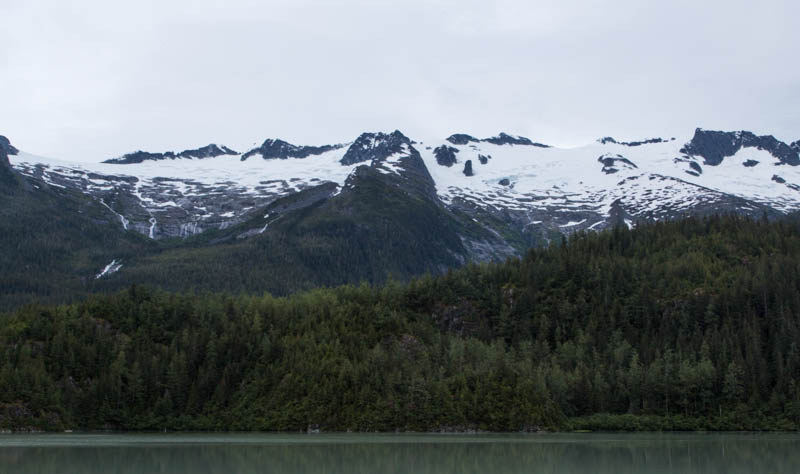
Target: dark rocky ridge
<point x="606" y="140"/>
<point x="714" y="146"/>
<point x="208" y="151"/>
<point x="445" y="155"/>
<point x="461" y="139"/>
<point x="505" y="139"/>
<point x="501" y="139"/>
<point x="375" y="147"/>
<point x="279" y="149"/>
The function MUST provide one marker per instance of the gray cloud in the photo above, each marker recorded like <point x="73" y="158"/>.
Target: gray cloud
<point x="89" y="80"/>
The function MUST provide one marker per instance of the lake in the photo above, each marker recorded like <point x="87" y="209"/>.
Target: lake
<point x="400" y="453"/>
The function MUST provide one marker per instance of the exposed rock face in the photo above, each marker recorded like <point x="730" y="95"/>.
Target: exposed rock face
<point x="6" y="173"/>
<point x="208" y="151"/>
<point x="395" y="160"/>
<point x="778" y="179"/>
<point x="484" y="158"/>
<point x="504" y="182"/>
<point x="462" y="139"/>
<point x="606" y="140"/>
<point x="446" y="155"/>
<point x="750" y="163"/>
<point x="6" y="148"/>
<point x="714" y="146"/>
<point x="505" y="139"/>
<point x="279" y="149"/>
<point x="468" y="168"/>
<point x="612" y="164"/>
<point x="375" y="146"/>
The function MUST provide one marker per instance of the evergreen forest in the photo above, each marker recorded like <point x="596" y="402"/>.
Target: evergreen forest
<point x="691" y="324"/>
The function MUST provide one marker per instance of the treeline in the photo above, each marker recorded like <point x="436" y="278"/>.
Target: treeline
<point x="690" y="324"/>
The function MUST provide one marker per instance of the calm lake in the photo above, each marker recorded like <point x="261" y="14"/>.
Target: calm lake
<point x="403" y="453"/>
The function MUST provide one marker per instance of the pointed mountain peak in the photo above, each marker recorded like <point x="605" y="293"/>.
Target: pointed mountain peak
<point x="375" y="147"/>
<point x="209" y="151"/>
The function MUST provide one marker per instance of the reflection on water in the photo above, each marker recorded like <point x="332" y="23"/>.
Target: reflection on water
<point x="345" y="453"/>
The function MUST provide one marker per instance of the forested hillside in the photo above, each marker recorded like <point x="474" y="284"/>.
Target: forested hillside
<point x="54" y="242"/>
<point x="689" y="324"/>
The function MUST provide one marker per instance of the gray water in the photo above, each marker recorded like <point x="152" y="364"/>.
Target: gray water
<point x="384" y="453"/>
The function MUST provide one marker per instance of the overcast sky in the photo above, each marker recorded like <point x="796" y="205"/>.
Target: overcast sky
<point x="90" y="80"/>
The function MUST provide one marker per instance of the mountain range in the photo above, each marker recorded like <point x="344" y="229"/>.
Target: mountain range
<point x="282" y="217"/>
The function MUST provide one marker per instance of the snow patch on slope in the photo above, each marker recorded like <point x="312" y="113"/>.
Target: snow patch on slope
<point x="112" y="267"/>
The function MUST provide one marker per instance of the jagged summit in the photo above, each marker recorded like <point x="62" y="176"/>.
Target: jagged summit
<point x="279" y="149"/>
<point x="375" y="147"/>
<point x="713" y="146"/>
<point x="208" y="151"/>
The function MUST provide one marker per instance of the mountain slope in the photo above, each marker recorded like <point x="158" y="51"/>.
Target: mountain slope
<point x="385" y="221"/>
<point x="54" y="241"/>
<point x="283" y="217"/>
<point x="683" y="325"/>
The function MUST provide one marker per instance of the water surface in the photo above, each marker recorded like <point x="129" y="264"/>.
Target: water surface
<point x="403" y="453"/>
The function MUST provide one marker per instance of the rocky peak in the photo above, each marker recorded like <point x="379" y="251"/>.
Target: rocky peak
<point x="506" y="139"/>
<point x="208" y="151"/>
<point x="375" y="147"/>
<point x="461" y="139"/>
<point x="279" y="149"/>
<point x="714" y="146"/>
